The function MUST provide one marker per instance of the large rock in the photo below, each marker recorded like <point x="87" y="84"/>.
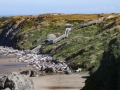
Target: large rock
<point x="16" y="81"/>
<point x="107" y="76"/>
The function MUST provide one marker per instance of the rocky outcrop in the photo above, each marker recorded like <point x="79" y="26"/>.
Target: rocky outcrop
<point x="7" y="37"/>
<point x="107" y="76"/>
<point x="16" y="81"/>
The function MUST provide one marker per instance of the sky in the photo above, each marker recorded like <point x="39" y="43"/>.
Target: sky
<point x="36" y="7"/>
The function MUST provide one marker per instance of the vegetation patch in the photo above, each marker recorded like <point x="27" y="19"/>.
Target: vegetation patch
<point x="84" y="46"/>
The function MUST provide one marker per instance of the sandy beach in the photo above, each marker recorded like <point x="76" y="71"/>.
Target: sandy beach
<point x="48" y="82"/>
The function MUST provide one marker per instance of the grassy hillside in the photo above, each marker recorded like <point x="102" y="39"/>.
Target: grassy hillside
<point x="84" y="46"/>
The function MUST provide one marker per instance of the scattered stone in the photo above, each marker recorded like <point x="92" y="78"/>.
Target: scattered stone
<point x="39" y="62"/>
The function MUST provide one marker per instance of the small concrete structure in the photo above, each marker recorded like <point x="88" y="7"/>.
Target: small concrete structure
<point x="50" y="37"/>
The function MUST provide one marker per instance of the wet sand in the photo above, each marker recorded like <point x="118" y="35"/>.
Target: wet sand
<point x="8" y="65"/>
<point x="48" y="82"/>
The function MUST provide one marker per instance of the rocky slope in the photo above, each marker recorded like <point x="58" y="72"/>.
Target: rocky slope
<point x="82" y="48"/>
<point x="107" y="76"/>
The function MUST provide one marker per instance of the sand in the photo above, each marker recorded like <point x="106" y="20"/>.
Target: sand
<point x="48" y="82"/>
<point x="8" y="65"/>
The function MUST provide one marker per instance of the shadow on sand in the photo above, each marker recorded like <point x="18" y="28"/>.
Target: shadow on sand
<point x="62" y="88"/>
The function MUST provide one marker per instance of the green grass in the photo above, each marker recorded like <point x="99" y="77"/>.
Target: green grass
<point x="85" y="45"/>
